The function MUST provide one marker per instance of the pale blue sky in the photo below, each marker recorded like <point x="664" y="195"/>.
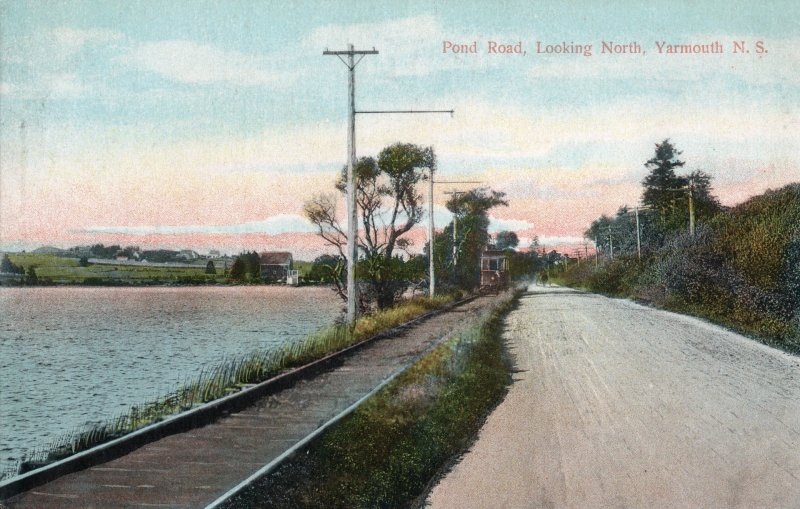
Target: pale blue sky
<point x="99" y="85"/>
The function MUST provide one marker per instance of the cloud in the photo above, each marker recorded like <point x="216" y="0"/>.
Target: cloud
<point x="6" y="88"/>
<point x="275" y="225"/>
<point x="498" y="225"/>
<point x="409" y="46"/>
<point x="65" y="86"/>
<point x="557" y="240"/>
<point x="190" y="62"/>
<point x="71" y="39"/>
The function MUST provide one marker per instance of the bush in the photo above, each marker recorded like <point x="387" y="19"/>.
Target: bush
<point x="742" y="269"/>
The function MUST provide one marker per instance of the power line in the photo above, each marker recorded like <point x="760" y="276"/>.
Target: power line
<point x="405" y="111"/>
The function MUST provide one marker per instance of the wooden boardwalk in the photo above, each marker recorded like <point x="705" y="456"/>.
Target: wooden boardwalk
<point x="193" y="469"/>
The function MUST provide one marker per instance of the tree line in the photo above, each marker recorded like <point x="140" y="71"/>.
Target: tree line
<point x="665" y="209"/>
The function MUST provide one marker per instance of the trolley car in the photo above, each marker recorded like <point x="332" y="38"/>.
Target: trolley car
<point x="494" y="270"/>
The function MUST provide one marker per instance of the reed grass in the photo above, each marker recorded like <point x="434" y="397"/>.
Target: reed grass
<point x="230" y="375"/>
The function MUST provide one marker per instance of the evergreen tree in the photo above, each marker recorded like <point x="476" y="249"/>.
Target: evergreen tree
<point x="662" y="186"/>
<point x="8" y="267"/>
<point x="32" y="278"/>
<point x="237" y="269"/>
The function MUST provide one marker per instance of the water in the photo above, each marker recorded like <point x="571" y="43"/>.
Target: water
<point x="74" y="356"/>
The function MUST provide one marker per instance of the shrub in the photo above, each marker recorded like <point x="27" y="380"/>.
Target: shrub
<point x="742" y="269"/>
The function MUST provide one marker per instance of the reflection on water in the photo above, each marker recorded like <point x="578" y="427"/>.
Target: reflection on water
<point x="71" y="356"/>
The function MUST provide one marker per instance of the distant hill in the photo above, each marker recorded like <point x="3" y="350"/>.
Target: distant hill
<point x="51" y="250"/>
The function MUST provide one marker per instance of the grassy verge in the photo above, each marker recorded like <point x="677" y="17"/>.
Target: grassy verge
<point x="387" y="452"/>
<point x="229" y="376"/>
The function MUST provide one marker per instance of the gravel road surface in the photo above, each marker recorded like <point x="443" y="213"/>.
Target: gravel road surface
<point x="620" y="405"/>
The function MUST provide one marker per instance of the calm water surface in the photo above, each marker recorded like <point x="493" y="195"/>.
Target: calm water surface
<point x="72" y="356"/>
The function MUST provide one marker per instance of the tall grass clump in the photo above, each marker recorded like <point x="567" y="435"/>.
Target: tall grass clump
<point x="229" y="376"/>
<point x="386" y="453"/>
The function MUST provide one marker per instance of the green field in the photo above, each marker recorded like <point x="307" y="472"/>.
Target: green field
<point x="60" y="270"/>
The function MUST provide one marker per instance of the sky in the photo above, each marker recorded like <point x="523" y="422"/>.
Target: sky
<point x="207" y="125"/>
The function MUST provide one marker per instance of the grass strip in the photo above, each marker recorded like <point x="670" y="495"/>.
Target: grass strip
<point x="386" y="453"/>
<point x="230" y="375"/>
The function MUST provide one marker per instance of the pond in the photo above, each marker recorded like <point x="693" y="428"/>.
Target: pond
<point x="74" y="356"/>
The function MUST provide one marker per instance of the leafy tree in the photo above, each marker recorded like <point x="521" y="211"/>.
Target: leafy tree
<point x="210" y="269"/>
<point x="246" y="267"/>
<point x="328" y="269"/>
<point x="31" y="277"/>
<point x="459" y="267"/>
<point x="83" y="261"/>
<point x="389" y="206"/>
<point x="523" y="265"/>
<point x="101" y="251"/>
<point x="599" y="232"/>
<point x="506" y="240"/>
<point x="706" y="205"/>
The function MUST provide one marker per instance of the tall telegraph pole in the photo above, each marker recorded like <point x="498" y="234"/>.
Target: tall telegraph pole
<point x="352" y="224"/>
<point x="455" y="227"/>
<point x="432" y="285"/>
<point x="691" y="206"/>
<point x="352" y="219"/>
<point x="431" y="273"/>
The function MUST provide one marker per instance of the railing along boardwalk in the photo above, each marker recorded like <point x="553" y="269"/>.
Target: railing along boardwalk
<point x="194" y="468"/>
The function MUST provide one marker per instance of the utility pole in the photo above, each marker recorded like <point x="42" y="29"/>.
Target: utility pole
<point x="638" y="236"/>
<point x="611" y="242"/>
<point x="352" y="224"/>
<point x="352" y="219"/>
<point x="431" y="273"/>
<point x="431" y="229"/>
<point x="455" y="228"/>
<point x="691" y="206"/>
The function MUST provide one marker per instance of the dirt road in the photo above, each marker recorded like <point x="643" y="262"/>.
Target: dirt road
<point x="619" y="405"/>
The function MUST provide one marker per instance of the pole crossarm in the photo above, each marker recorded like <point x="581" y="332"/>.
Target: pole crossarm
<point x="351" y="52"/>
<point x="451" y="112"/>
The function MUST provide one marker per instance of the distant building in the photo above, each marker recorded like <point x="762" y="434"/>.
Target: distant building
<point x="275" y="265"/>
<point x="214" y="254"/>
<point x="188" y="254"/>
